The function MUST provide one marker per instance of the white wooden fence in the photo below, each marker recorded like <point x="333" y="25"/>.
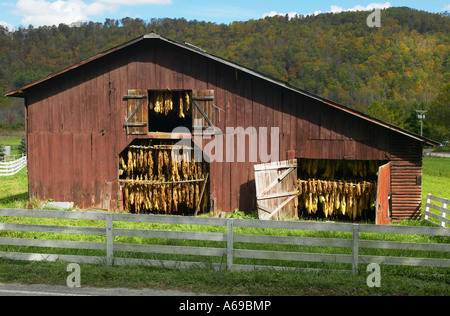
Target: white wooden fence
<point x="12" y="167"/>
<point x="442" y="211"/>
<point x="228" y="248"/>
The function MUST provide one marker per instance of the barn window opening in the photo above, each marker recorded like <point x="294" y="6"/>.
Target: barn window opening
<point x="162" y="177"/>
<point x="161" y="112"/>
<point x="337" y="189"/>
<point x="169" y="110"/>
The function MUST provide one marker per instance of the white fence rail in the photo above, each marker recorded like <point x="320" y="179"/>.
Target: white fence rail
<point x="12" y="167"/>
<point x="442" y="211"/>
<point x="224" y="243"/>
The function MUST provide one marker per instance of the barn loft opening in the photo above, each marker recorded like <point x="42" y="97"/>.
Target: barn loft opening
<point x="169" y="110"/>
<point x="337" y="189"/>
<point x="159" y="113"/>
<point x="162" y="177"/>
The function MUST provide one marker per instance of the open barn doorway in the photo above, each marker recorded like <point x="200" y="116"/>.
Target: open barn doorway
<point x="161" y="177"/>
<point x="338" y="189"/>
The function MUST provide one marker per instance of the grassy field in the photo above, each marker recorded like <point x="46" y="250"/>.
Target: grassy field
<point x="436" y="177"/>
<point x="395" y="280"/>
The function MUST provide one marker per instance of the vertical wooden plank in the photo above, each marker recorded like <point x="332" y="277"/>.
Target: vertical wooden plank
<point x="105" y="110"/>
<point x="230" y="120"/>
<point x="219" y="100"/>
<point x="77" y="158"/>
<point x="213" y="166"/>
<point x="383" y="193"/>
<point x="30" y="161"/>
<point x="247" y="194"/>
<point x="292" y="131"/>
<point x="277" y="103"/>
<point x="132" y="71"/>
<point x="82" y="101"/>
<point x="75" y="104"/>
<point x="230" y="244"/>
<point x="237" y="119"/>
<point x="53" y="172"/>
<point x="149" y="69"/>
<point x="302" y="126"/>
<point x="286" y="130"/>
<point x="109" y="240"/>
<point x="355" y="247"/>
<point x="443" y="214"/>
<point x="325" y="122"/>
<point x="258" y="101"/>
<point x="88" y="172"/>
<point x="427" y="208"/>
<point x="45" y="168"/>
<point x="188" y="80"/>
<point x="267" y="112"/>
<point x="164" y="56"/>
<point x="314" y="120"/>
<point x="199" y="71"/>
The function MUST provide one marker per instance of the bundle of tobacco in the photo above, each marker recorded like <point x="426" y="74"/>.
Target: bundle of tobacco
<point x="154" y="181"/>
<point x="336" y="197"/>
<point x="165" y="102"/>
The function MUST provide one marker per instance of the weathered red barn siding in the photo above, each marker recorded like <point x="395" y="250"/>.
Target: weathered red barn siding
<point x="75" y="126"/>
<point x="406" y="177"/>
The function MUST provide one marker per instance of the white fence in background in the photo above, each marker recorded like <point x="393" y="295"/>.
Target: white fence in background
<point x="442" y="211"/>
<point x="12" y="167"/>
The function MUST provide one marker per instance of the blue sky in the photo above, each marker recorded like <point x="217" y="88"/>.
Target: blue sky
<point x="15" y="13"/>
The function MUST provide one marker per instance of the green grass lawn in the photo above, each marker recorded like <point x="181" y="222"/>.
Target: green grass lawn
<point x="436" y="177"/>
<point x="395" y="280"/>
<point x="14" y="190"/>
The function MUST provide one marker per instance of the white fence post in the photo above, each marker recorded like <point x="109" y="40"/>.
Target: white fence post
<point x="427" y="208"/>
<point x="109" y="240"/>
<point x="444" y="214"/>
<point x="355" y="247"/>
<point x="229" y="244"/>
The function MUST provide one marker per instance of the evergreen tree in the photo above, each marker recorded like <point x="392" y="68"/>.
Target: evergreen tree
<point x="2" y="152"/>
<point x="22" y="147"/>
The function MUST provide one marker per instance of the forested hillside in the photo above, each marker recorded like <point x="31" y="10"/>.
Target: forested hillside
<point x="387" y="72"/>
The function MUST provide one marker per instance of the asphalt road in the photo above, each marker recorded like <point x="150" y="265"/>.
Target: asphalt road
<point x="58" y="290"/>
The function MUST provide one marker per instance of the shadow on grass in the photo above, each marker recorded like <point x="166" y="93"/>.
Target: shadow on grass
<point x="12" y="199"/>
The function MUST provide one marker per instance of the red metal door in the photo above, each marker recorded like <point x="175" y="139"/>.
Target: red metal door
<point x="383" y="194"/>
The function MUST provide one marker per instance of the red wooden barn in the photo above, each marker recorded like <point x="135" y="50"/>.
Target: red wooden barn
<point x="97" y="133"/>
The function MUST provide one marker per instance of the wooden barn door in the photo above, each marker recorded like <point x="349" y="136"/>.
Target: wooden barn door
<point x="382" y="216"/>
<point x="276" y="190"/>
<point x="136" y="120"/>
<point x="202" y="109"/>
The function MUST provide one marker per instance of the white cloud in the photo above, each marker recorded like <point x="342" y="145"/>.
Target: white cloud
<point x="41" y="12"/>
<point x="337" y="9"/>
<point x="137" y="2"/>
<point x="6" y="25"/>
<point x="446" y="8"/>
<point x="47" y="12"/>
<point x="369" y="7"/>
<point x="274" y="13"/>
